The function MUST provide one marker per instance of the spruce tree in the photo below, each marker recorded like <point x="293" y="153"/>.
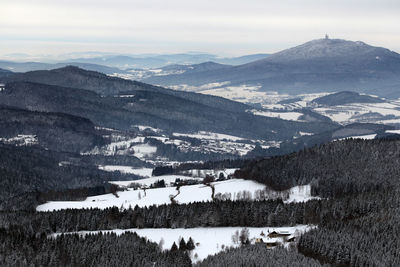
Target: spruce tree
<point x="174" y="247"/>
<point x="190" y="244"/>
<point x="182" y="245"/>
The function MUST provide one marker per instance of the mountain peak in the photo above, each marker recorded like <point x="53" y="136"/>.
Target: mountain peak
<point x="326" y="48"/>
<point x="70" y="68"/>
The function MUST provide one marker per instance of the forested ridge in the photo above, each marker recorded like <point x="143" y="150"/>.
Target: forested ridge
<point x="357" y="217"/>
<point x="258" y="256"/>
<point x="128" y="249"/>
<point x="335" y="169"/>
<point x="28" y="173"/>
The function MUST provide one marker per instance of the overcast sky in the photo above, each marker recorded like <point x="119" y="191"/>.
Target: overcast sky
<point x="224" y="27"/>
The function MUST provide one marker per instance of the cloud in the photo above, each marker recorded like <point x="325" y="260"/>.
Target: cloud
<point x="218" y="26"/>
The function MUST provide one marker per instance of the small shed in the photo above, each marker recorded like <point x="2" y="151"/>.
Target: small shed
<point x="275" y="234"/>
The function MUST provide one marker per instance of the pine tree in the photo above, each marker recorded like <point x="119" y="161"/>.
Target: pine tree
<point x="190" y="244"/>
<point x="182" y="245"/>
<point x="174" y="247"/>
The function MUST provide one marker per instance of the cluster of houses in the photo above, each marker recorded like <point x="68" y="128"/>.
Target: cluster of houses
<point x="275" y="238"/>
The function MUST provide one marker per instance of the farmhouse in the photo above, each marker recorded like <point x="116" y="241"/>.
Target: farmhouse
<point x="275" y="234"/>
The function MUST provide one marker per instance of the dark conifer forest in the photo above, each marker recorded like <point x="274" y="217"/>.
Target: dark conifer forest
<point x="356" y="218"/>
<point x="197" y="133"/>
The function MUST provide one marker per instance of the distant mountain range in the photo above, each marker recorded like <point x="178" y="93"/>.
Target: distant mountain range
<point x="157" y="61"/>
<point x="323" y="65"/>
<point x="117" y="103"/>
<point x="108" y="63"/>
<point x="31" y="66"/>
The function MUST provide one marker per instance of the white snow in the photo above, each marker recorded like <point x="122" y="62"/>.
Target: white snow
<point x="143" y="151"/>
<point x="393" y="131"/>
<point x="292" y="116"/>
<point x="365" y="137"/>
<point x="126" y="96"/>
<point x="203" y="173"/>
<point x="208" y="241"/>
<point x="214" y="143"/>
<point x="21" y="140"/>
<point x="203" y="87"/>
<point x="122" y="145"/>
<point x="354" y="112"/>
<point x="301" y="193"/>
<point x="158" y="196"/>
<point x="234" y="189"/>
<point x="144" y="172"/>
<point x="149" y="181"/>
<point x="210" y="135"/>
<point x="305" y="133"/>
<point x="125" y="199"/>
<point x="144" y="127"/>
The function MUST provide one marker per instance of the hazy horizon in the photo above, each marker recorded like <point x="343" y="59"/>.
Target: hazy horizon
<point x="224" y="28"/>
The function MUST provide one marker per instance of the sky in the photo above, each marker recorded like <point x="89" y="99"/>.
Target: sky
<point x="222" y="27"/>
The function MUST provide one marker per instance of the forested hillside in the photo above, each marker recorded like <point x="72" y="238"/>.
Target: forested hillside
<point x="54" y="131"/>
<point x="161" y="108"/>
<point x="27" y="171"/>
<point x="335" y="169"/>
<point x="355" y="220"/>
<point x="17" y="249"/>
<point x="258" y="256"/>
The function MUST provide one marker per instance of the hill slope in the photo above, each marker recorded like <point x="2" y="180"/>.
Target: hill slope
<point x="346" y="97"/>
<point x="117" y="103"/>
<point x="316" y="66"/>
<point x="55" y="131"/>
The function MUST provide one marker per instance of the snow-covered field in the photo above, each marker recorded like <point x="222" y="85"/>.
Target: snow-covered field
<point x="301" y="193"/>
<point x="158" y="196"/>
<point x="343" y="114"/>
<point x="204" y="173"/>
<point x="143" y="172"/>
<point x="144" y="127"/>
<point x="210" y="136"/>
<point x="290" y="115"/>
<point x="393" y="131"/>
<point x="365" y="137"/>
<point x="21" y="140"/>
<point x="233" y="189"/>
<point x="208" y="241"/>
<point x="151" y="180"/>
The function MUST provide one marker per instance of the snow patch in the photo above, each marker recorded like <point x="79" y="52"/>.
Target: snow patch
<point x="210" y="136"/>
<point x="365" y="137"/>
<point x="144" y="127"/>
<point x="301" y="193"/>
<point x="21" y="140"/>
<point x="208" y="241"/>
<point x="393" y="131"/>
<point x="233" y="189"/>
<point x="144" y="172"/>
<point x="168" y="179"/>
<point x="292" y="116"/>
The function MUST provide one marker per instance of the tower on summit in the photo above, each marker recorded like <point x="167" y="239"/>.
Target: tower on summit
<point x="326" y="36"/>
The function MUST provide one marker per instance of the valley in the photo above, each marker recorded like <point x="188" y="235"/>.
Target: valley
<point x="287" y="159"/>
